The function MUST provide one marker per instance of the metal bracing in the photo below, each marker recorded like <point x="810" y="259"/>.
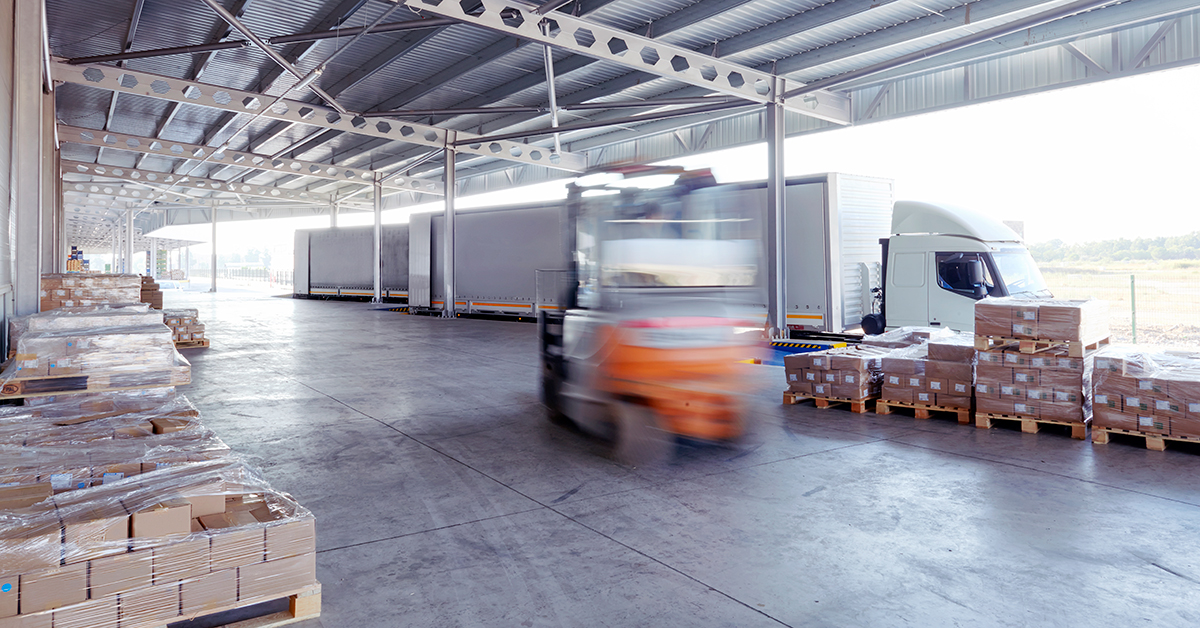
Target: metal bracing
<point x="251" y="161"/>
<point x="136" y="17"/>
<point x="238" y="101"/>
<point x="592" y="39"/>
<point x="150" y="177"/>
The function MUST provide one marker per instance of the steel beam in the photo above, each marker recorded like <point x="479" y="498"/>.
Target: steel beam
<point x="238" y="101"/>
<point x="150" y="177"/>
<point x="183" y="150"/>
<point x="592" y="39"/>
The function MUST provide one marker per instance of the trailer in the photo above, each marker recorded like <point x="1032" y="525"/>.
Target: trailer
<point x="335" y="263"/>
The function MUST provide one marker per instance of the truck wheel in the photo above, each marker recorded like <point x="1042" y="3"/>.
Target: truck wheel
<point x="640" y="439"/>
<point x="550" y="399"/>
<point x="873" y="324"/>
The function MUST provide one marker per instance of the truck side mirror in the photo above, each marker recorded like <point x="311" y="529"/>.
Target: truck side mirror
<point x="975" y="271"/>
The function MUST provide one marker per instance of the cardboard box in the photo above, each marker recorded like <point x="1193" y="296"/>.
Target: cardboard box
<point x="205" y="594"/>
<point x="172" y="517"/>
<point x="801" y="388"/>
<point x="276" y="578"/>
<point x="1167" y="407"/>
<point x="854" y="391"/>
<point x="958" y="349"/>
<point x="987" y="390"/>
<point x="897" y="394"/>
<point x="291" y="538"/>
<point x="167" y="425"/>
<point x="989" y="357"/>
<point x="992" y="319"/>
<point x="94" y="533"/>
<point x="62" y="480"/>
<point x="1103" y="416"/>
<point x="1153" y="424"/>
<point x="954" y="401"/>
<point x="1012" y="392"/>
<point x="924" y="397"/>
<point x="1073" y="397"/>
<point x="811" y="376"/>
<point x="29" y="549"/>
<point x="937" y="385"/>
<point x="152" y="605"/>
<point x="1015" y="359"/>
<point x="985" y="405"/>
<point x="10" y="588"/>
<point x="855" y="377"/>
<point x="1136" y="404"/>
<point x="895" y="380"/>
<point x="962" y="371"/>
<point x="1063" y="411"/>
<point x="237" y="538"/>
<point x="1084" y="321"/>
<point x="993" y="373"/>
<point x="102" y="613"/>
<point x="1185" y="426"/>
<point x="139" y="430"/>
<point x="1026" y="376"/>
<point x="123" y="572"/>
<point x="1026" y="408"/>
<point x="823" y="390"/>
<point x="961" y="389"/>
<point x="1105" y="400"/>
<point x="53" y="588"/>
<point x="915" y="382"/>
<point x="1039" y="394"/>
<point x="181" y="560"/>
<point x="24" y="495"/>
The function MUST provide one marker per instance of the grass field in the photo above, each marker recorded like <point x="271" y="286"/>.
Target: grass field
<point x="1167" y="297"/>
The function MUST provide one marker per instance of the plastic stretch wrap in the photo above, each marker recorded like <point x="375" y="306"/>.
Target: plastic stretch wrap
<point x="163" y="546"/>
<point x="1049" y="384"/>
<point x="907" y="337"/>
<point x="912" y="376"/>
<point x="61" y="352"/>
<point x="1042" y="319"/>
<point x="842" y="373"/>
<point x="69" y="445"/>
<point x="1155" y="390"/>
<point x="75" y="289"/>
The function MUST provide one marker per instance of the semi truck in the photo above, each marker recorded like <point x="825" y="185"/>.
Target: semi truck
<point x="854" y="259"/>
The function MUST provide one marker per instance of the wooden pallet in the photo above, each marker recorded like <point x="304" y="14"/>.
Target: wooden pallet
<point x="102" y="382"/>
<point x="191" y="344"/>
<point x="302" y="605"/>
<point x="1075" y="349"/>
<point x="922" y="411"/>
<point x="1030" y="425"/>
<point x="1157" y="442"/>
<point x="857" y="406"/>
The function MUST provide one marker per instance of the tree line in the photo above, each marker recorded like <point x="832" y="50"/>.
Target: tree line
<point x="1119" y="250"/>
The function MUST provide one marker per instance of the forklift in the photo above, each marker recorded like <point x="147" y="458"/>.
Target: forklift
<point x="655" y="312"/>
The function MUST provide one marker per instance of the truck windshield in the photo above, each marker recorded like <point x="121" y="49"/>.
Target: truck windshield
<point x="662" y="239"/>
<point x="1019" y="273"/>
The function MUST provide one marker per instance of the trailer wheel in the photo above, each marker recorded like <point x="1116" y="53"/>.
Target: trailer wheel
<point x="873" y="324"/>
<point x="640" y="438"/>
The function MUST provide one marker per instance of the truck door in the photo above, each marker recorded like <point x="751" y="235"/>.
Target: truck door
<point x="959" y="279"/>
<point x="907" y="301"/>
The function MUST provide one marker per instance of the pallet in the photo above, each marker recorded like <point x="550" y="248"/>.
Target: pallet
<point x="857" y="406"/>
<point x="192" y="344"/>
<point x="103" y="382"/>
<point x="1157" y="442"/>
<point x="1031" y="425"/>
<point x="923" y="411"/>
<point x="1075" y="349"/>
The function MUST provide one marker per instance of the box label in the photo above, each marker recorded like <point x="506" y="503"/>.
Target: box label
<point x="1194" y="407"/>
<point x="923" y="396"/>
<point x="1020" y="408"/>
<point x="961" y="388"/>
<point x="792" y="377"/>
<point x="1038" y="362"/>
<point x="914" y="381"/>
<point x="895" y="381"/>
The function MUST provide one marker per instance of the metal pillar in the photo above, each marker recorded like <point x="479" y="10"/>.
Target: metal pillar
<point x="116" y="246"/>
<point x="187" y="262"/>
<point x="333" y="213"/>
<point x="448" y="291"/>
<point x="377" y="239"/>
<point x="27" y="109"/>
<point x="212" y="287"/>
<point x="129" y="269"/>
<point x="48" y="202"/>
<point x="776" y="316"/>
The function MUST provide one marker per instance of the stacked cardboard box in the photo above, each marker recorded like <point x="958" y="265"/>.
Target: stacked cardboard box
<point x="936" y="373"/>
<point x="185" y="325"/>
<point x="1054" y="320"/>
<point x="1156" y="391"/>
<point x="149" y="542"/>
<point x="125" y="347"/>
<point x="151" y="293"/>
<point x="906" y="337"/>
<point x="75" y="289"/>
<point x="1047" y="384"/>
<point x="844" y="373"/>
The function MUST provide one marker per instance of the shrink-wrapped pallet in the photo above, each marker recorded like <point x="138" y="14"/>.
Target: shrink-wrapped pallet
<point x="842" y="373"/>
<point x="1042" y="319"/>
<point x="1151" y="390"/>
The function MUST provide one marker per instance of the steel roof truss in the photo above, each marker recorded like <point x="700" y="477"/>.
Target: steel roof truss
<point x="586" y="37"/>
<point x="151" y="178"/>
<point x="238" y="101"/>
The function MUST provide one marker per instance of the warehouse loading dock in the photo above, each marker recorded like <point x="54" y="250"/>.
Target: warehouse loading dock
<point x="344" y="463"/>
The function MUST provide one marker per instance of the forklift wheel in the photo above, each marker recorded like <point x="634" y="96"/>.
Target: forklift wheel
<point x="640" y="439"/>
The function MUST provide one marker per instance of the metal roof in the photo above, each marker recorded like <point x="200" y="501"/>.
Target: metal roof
<point x="466" y="65"/>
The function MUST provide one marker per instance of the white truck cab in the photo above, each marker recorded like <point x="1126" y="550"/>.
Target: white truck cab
<point x="941" y="259"/>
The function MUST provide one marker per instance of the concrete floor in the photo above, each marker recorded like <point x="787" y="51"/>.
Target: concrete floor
<point x="444" y="497"/>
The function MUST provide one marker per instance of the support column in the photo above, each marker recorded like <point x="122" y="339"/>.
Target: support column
<point x="333" y="215"/>
<point x="448" y="174"/>
<point x="116" y="245"/>
<point x="377" y="239"/>
<point x="129" y="269"/>
<point x="776" y="314"/>
<point x="53" y="259"/>
<point x="26" y="181"/>
<point x="212" y="287"/>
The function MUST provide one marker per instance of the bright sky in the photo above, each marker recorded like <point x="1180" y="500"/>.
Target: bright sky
<point x="1106" y="160"/>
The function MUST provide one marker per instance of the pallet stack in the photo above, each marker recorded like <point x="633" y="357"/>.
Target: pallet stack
<point x="1150" y="393"/>
<point x="1039" y="372"/>
<point x="151" y="293"/>
<point x="849" y="375"/>
<point x="186" y="328"/>
<point x="90" y="349"/>
<point x="935" y="376"/>
<point x="80" y="290"/>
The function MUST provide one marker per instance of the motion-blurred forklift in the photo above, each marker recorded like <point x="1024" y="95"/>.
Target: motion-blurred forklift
<point x="654" y="314"/>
